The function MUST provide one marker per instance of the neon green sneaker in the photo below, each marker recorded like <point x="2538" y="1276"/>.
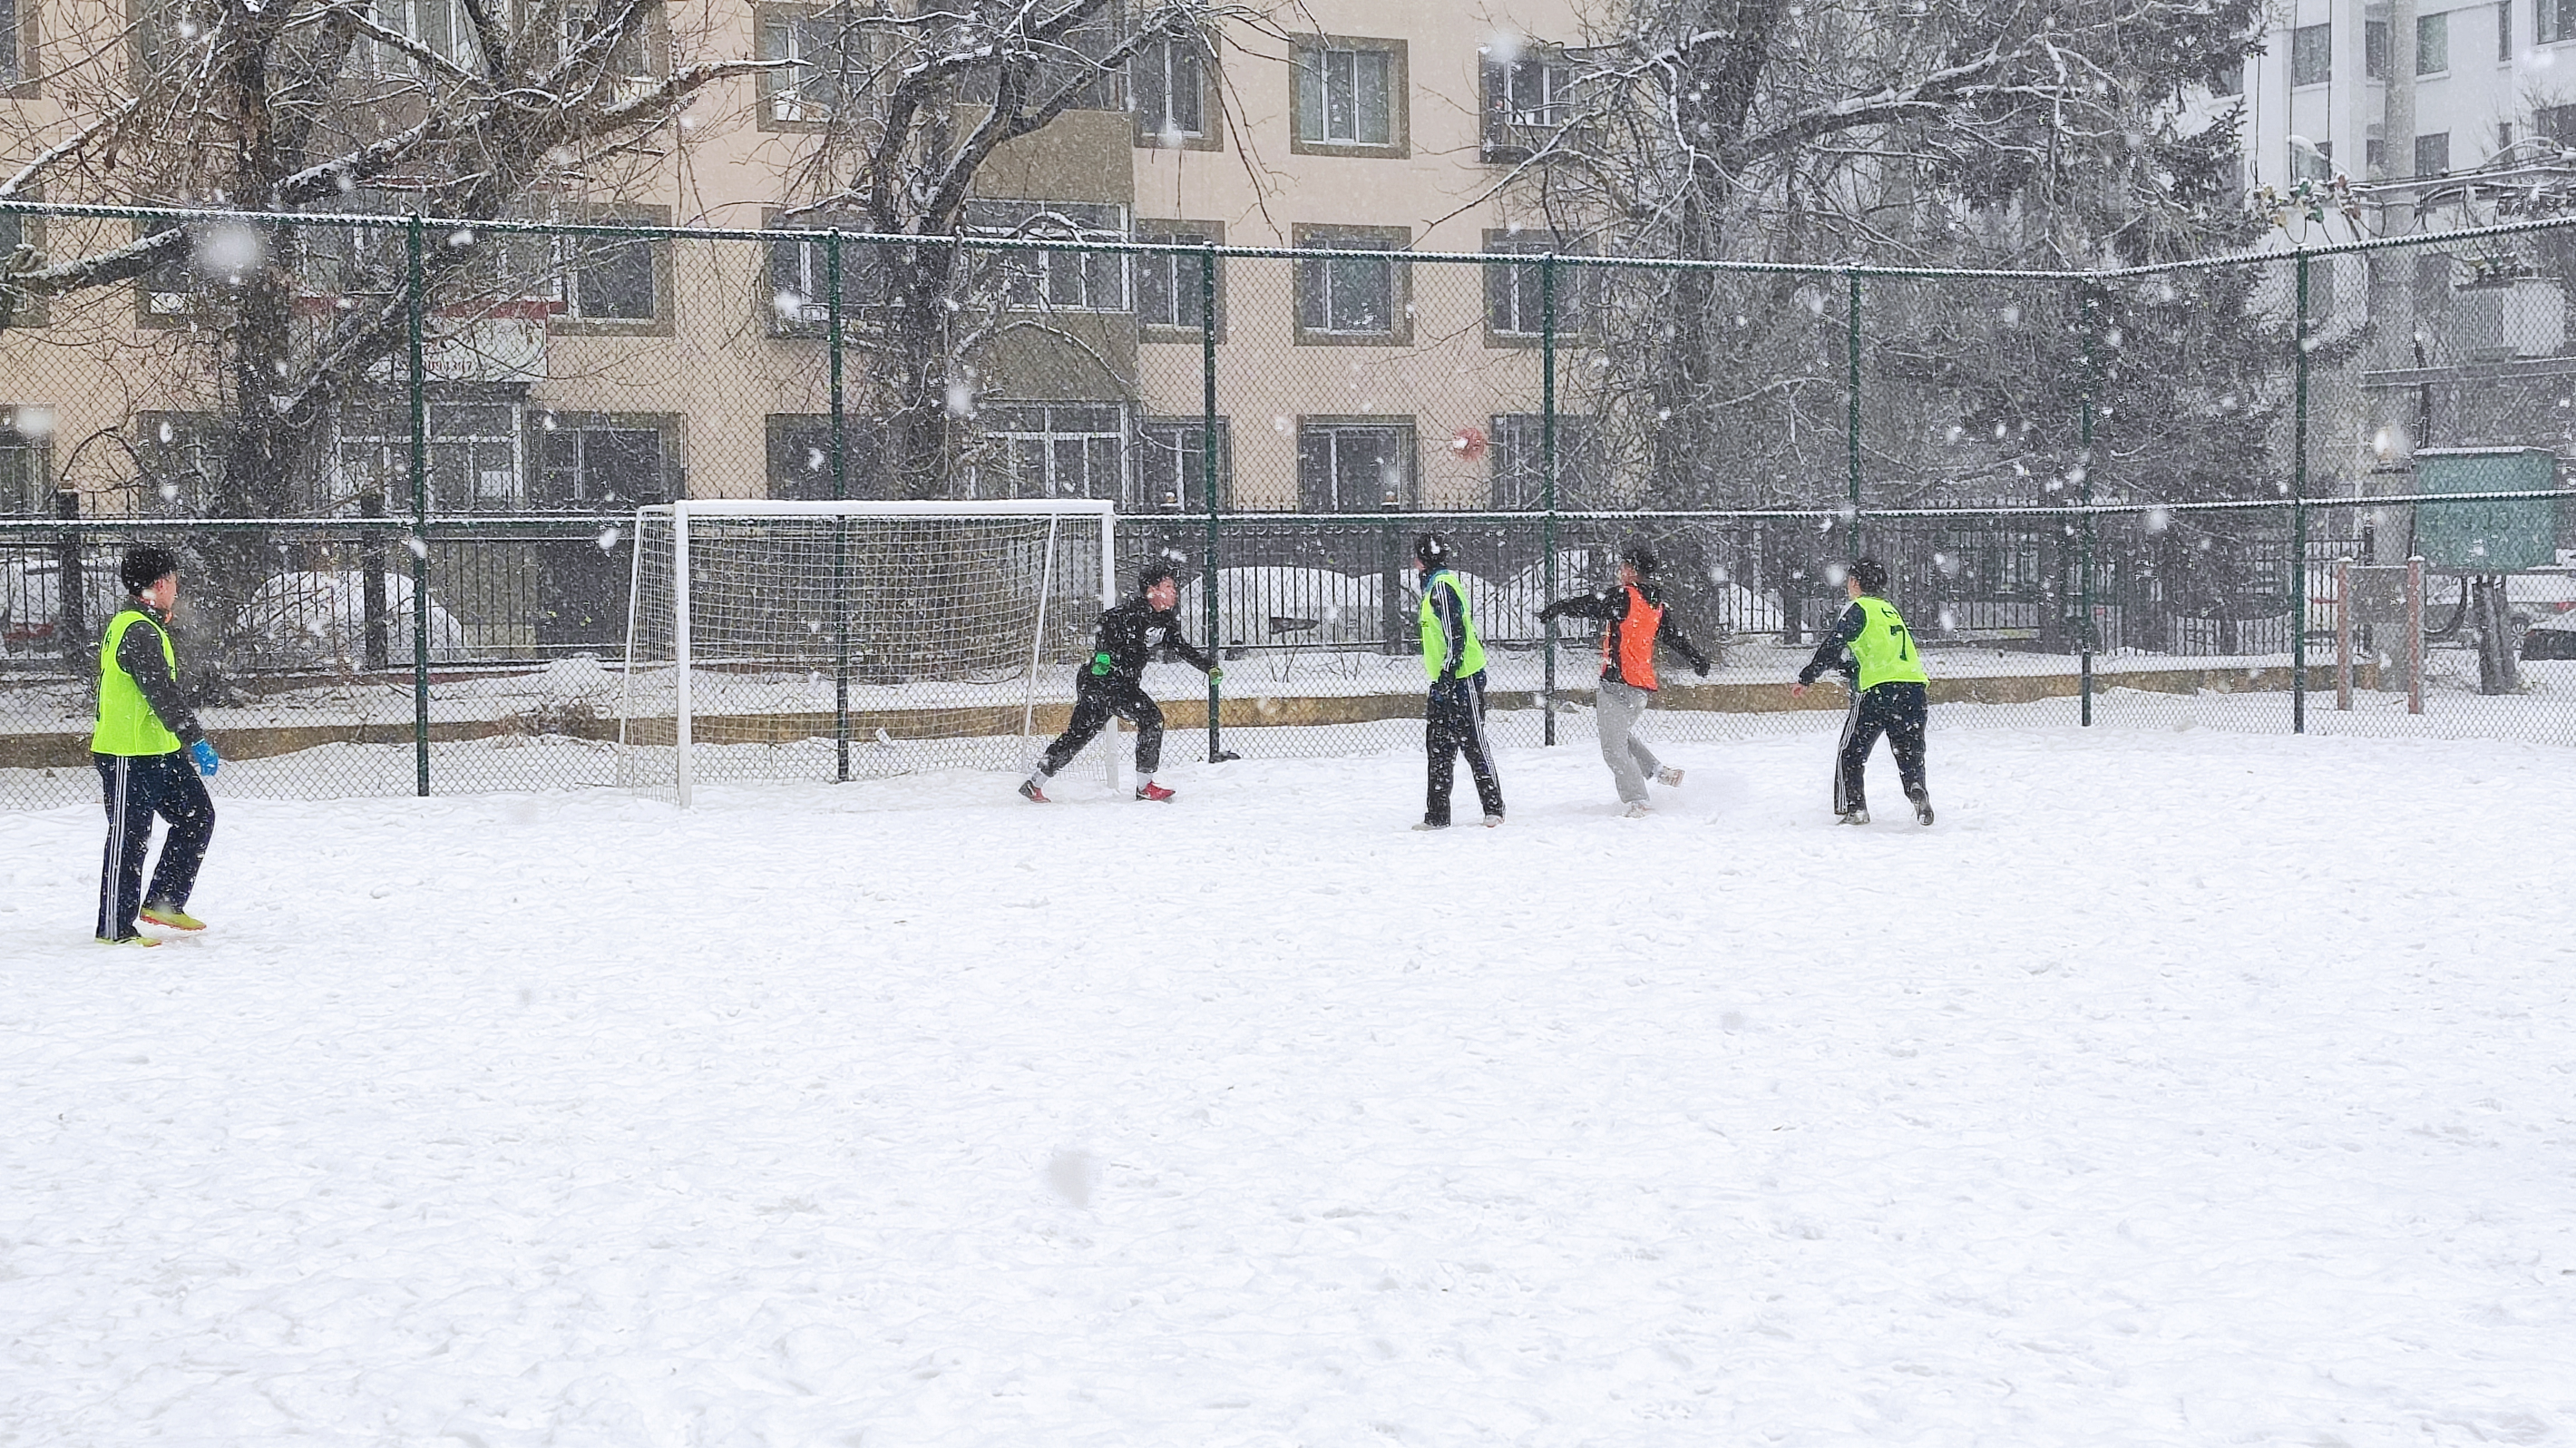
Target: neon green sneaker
<point x="172" y="917"/>
<point x="128" y="940"/>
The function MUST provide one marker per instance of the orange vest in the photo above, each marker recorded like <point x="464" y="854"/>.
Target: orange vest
<point x="1628" y="644"/>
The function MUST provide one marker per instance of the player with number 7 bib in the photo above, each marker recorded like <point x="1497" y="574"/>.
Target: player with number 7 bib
<point x="1874" y="651"/>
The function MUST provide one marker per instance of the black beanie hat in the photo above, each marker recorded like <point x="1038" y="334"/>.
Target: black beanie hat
<point x="146" y="564"/>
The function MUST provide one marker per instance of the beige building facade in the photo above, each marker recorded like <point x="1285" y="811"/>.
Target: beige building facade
<point x="635" y="372"/>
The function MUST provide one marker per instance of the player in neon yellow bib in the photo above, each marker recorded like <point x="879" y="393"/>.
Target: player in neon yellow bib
<point x="1874" y="651"/>
<point x="150" y="756"/>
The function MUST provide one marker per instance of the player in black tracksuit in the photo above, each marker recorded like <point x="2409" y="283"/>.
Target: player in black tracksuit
<point x="1112" y="682"/>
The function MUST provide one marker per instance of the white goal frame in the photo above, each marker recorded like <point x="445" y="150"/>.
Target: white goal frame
<point x="679" y="515"/>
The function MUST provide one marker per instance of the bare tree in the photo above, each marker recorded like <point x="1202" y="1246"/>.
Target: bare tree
<point x="913" y="107"/>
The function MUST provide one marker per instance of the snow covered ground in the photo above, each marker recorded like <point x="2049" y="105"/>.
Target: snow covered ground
<point x="2176" y="1088"/>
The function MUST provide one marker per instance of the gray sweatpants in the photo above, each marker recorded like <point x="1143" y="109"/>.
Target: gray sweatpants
<point x="1617" y="709"/>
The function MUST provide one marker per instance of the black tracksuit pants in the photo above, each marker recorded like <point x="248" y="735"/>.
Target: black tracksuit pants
<point x="1095" y="701"/>
<point x="137" y="787"/>
<point x="1454" y="724"/>
<point x="1895" y="710"/>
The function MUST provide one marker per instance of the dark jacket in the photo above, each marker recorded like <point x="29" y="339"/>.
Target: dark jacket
<point x="1835" y="652"/>
<point x="1126" y="640"/>
<point x="1610" y="607"/>
<point x="139" y="654"/>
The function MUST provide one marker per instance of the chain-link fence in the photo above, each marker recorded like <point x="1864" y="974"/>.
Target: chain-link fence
<point x="401" y="460"/>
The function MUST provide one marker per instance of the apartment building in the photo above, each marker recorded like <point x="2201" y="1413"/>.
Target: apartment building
<point x="640" y="371"/>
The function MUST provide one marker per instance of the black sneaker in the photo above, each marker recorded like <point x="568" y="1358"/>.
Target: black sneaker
<point x="1852" y="817"/>
<point x="1923" y="809"/>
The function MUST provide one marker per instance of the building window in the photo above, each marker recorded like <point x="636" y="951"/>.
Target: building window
<point x="1356" y="465"/>
<point x="2313" y="164"/>
<point x="2312" y="54"/>
<point x="20" y="229"/>
<point x="640" y="56"/>
<point x="2504" y="137"/>
<point x="1518" y="449"/>
<point x="1349" y="97"/>
<point x="1515" y="294"/>
<point x="1169" y="285"/>
<point x="474" y="457"/>
<point x="2432" y="44"/>
<point x="2374" y="157"/>
<point x="825" y="53"/>
<point x="441" y="27"/>
<point x="1172" y="85"/>
<point x="2557" y="19"/>
<point x="800" y="284"/>
<point x="1050" y="450"/>
<point x="2228" y="79"/>
<point x="610" y="280"/>
<point x="17" y="47"/>
<point x="183" y="466"/>
<point x="26" y="487"/>
<point x="800" y="457"/>
<point x="1356" y="300"/>
<point x="2374" y="49"/>
<point x="595" y="462"/>
<point x="1171" y="465"/>
<point x="1057" y="281"/>
<point x="2555" y="124"/>
<point x="2433" y="154"/>
<point x="2504" y="29"/>
<point x="1529" y="103"/>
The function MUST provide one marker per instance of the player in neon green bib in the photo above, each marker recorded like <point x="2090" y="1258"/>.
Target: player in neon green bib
<point x="1874" y="651"/>
<point x="150" y="756"/>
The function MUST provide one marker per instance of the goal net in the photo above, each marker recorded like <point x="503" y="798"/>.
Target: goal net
<point x="834" y="641"/>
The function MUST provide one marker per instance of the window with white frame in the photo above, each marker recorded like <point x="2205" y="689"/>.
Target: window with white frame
<point x="1356" y="465"/>
<point x="800" y="284"/>
<point x="2311" y="55"/>
<point x="441" y="27"/>
<point x="1365" y="300"/>
<point x="1050" y="450"/>
<point x="1529" y="101"/>
<point x="1171" y="285"/>
<point x="1518" y="450"/>
<point x="611" y="279"/>
<point x="1516" y="294"/>
<point x="600" y="462"/>
<point x="1349" y="95"/>
<point x="817" y="61"/>
<point x="474" y="462"/>
<point x="1060" y="281"/>
<point x="25" y="487"/>
<point x="1168" y="85"/>
<point x="2432" y="44"/>
<point x="1171" y="465"/>
<point x="634" y="58"/>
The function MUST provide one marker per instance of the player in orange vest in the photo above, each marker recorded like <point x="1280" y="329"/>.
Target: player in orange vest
<point x="1634" y="619"/>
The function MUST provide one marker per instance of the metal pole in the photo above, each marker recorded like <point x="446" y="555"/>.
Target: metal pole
<point x="2084" y="545"/>
<point x="79" y="649"/>
<point x="683" y="700"/>
<point x="1208" y="487"/>
<point x="414" y="259"/>
<point x="841" y="526"/>
<point x="1547" y="479"/>
<point x="2299" y="526"/>
<point x="2343" y="635"/>
<point x="2415" y="634"/>
<point x="1851" y="348"/>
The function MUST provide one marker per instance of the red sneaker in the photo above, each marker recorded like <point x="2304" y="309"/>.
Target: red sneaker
<point x="1155" y="792"/>
<point x="1029" y="791"/>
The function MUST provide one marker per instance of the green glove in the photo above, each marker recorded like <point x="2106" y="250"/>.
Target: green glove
<point x="1216" y="676"/>
<point x="1100" y="664"/>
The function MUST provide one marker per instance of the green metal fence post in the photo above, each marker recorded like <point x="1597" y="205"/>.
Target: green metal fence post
<point x="1547" y="480"/>
<point x="415" y="264"/>
<point x="1208" y="485"/>
<point x="2299" y="524"/>
<point x="1851" y="349"/>
<point x="841" y="526"/>
<point x="2084" y="459"/>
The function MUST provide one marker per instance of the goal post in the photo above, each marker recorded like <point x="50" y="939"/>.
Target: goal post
<point x="779" y="640"/>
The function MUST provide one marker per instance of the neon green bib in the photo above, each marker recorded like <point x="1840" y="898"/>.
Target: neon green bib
<point x="126" y="723"/>
<point x="1435" y="639"/>
<point x="1885" y="648"/>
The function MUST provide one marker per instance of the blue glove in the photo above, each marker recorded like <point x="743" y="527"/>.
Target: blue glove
<point x="203" y="751"/>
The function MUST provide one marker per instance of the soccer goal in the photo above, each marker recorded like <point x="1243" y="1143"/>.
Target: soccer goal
<point x="833" y="641"/>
